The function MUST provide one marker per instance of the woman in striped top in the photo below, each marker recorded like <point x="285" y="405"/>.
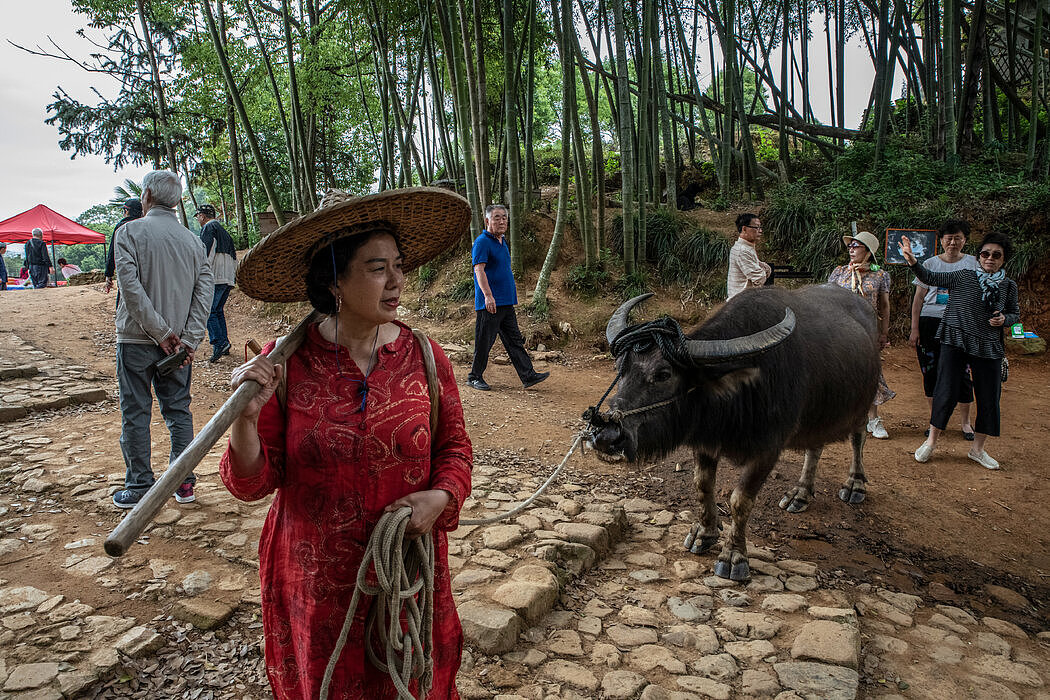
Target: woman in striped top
<point x="980" y="303"/>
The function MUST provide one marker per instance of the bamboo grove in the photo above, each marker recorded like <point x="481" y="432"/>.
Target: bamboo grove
<point x="269" y="102"/>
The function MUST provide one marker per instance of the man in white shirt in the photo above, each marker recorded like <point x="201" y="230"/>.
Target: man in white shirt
<point x="745" y="269"/>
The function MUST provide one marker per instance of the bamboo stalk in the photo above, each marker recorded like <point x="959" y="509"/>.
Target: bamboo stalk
<point x="131" y="527"/>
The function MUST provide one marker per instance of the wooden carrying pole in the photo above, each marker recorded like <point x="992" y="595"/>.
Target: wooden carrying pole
<point x="131" y="527"/>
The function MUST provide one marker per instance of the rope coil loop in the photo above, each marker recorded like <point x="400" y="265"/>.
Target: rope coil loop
<point x="404" y="587"/>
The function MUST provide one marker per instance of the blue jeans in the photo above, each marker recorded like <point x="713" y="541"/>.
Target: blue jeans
<point x="135" y="375"/>
<point x="217" y="320"/>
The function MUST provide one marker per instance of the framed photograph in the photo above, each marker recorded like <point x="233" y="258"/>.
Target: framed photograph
<point x="923" y="244"/>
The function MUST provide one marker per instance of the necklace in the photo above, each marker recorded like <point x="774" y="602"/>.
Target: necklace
<point x="368" y="369"/>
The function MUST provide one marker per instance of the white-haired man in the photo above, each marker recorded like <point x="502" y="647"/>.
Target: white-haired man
<point x="37" y="259"/>
<point x="166" y="290"/>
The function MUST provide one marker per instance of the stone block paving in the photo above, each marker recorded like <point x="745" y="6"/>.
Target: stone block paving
<point x="636" y="616"/>
<point x="31" y="380"/>
<point x="589" y="594"/>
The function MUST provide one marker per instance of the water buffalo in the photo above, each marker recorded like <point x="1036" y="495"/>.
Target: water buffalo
<point x="772" y="369"/>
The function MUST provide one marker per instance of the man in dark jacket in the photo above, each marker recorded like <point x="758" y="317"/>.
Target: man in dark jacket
<point x="222" y="256"/>
<point x="38" y="260"/>
<point x="132" y="211"/>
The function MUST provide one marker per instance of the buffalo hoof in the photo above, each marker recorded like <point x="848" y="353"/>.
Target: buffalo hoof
<point x="734" y="572"/>
<point x="853" y="492"/>
<point x="699" y="545"/>
<point x="796" y="500"/>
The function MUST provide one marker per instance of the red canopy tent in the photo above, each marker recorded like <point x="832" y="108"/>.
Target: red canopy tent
<point x="57" y="228"/>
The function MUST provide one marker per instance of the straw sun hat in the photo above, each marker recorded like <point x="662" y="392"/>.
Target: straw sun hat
<point x="427" y="220"/>
<point x="867" y="239"/>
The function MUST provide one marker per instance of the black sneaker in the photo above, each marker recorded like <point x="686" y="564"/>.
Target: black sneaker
<point x="536" y="379"/>
<point x="479" y="384"/>
<point x="126" y="499"/>
<point x="218" y="351"/>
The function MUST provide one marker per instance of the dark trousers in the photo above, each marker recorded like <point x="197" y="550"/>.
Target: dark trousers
<point x="136" y="376"/>
<point x="217" y="320"/>
<point x="928" y="350"/>
<point x="38" y="275"/>
<point x="987" y="385"/>
<point x="503" y="323"/>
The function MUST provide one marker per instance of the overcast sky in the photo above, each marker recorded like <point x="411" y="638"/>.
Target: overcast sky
<point x="35" y="170"/>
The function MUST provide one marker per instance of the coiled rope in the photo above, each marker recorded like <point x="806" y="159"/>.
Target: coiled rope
<point x="400" y="576"/>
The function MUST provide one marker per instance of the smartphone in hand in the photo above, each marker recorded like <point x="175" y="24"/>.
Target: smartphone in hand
<point x="171" y="363"/>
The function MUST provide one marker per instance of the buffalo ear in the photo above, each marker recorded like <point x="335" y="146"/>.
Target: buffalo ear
<point x="728" y="384"/>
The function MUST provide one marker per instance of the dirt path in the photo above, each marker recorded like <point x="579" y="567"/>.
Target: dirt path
<point x="947" y="522"/>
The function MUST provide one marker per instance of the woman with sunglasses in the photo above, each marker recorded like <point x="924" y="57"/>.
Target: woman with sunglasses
<point x="981" y="303"/>
<point x="862" y="276"/>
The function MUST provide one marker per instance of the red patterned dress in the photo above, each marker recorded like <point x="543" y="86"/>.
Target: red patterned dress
<point x="334" y="468"/>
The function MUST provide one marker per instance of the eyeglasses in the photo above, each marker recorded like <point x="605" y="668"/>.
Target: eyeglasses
<point x="757" y="228"/>
<point x="993" y="254"/>
<point x="851" y="246"/>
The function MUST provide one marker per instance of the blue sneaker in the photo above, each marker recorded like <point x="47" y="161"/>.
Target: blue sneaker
<point x="126" y="499"/>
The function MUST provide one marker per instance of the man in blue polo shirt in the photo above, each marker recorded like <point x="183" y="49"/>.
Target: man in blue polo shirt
<point x="494" y="298"/>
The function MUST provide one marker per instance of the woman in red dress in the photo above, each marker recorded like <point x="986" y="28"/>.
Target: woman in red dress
<point x="348" y="437"/>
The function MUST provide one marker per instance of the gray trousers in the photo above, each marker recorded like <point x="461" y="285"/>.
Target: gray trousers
<point x="135" y="375"/>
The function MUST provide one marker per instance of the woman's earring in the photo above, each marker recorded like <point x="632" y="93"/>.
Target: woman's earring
<point x="338" y="304"/>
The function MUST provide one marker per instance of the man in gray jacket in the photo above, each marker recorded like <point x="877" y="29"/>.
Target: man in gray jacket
<point x="166" y="290"/>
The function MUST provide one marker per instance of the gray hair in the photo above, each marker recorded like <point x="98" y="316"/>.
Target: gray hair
<point x="493" y="207"/>
<point x="37" y="233"/>
<point x="165" y="187"/>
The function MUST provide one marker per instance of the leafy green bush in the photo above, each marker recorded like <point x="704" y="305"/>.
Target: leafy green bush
<point x="461" y="290"/>
<point x="586" y="282"/>
<point x="806" y="219"/>
<point x="427" y="274"/>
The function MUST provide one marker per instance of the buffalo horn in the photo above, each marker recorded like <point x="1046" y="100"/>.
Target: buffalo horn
<point x="618" y="321"/>
<point x="704" y="351"/>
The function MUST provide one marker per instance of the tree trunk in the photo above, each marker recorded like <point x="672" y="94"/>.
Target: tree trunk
<point x="158" y="92"/>
<point x="626" y="136"/>
<point x="235" y="96"/>
<point x="510" y="128"/>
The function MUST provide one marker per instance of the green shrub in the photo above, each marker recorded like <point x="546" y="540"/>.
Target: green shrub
<point x="427" y="274"/>
<point x="586" y="282"/>
<point x="461" y="290"/>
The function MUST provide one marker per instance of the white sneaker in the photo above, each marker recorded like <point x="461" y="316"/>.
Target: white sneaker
<point x="923" y="453"/>
<point x="877" y="429"/>
<point x="982" y="458"/>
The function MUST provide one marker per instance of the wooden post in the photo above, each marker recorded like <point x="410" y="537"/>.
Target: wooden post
<point x="129" y="529"/>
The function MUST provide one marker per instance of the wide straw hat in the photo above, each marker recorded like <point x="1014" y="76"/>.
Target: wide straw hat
<point x="427" y="221"/>
<point x="868" y="239"/>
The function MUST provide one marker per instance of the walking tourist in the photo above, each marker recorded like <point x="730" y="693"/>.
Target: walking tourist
<point x="745" y="269"/>
<point x="165" y="286"/>
<point x="222" y="255"/>
<point x="981" y="303"/>
<point x="864" y="277"/>
<point x="927" y="310"/>
<point x="495" y="295"/>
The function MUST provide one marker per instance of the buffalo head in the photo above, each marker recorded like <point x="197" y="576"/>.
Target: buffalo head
<point x="658" y="369"/>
